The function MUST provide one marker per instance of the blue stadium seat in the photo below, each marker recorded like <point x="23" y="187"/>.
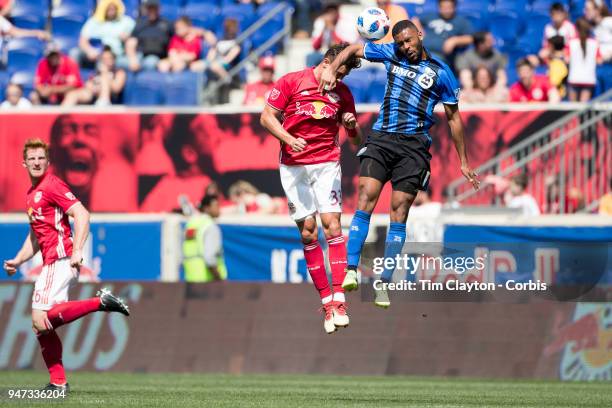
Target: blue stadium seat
<point x="479" y="21"/>
<point x="30" y="14"/>
<point x="531" y="40"/>
<point x="183" y="89"/>
<point x="4" y="81"/>
<point x="577" y="7"/>
<point x="24" y="53"/>
<point x="76" y="9"/>
<point x="171" y="9"/>
<point x="543" y="6"/>
<point x="25" y="79"/>
<point x="358" y="82"/>
<point x="190" y="3"/>
<point x="505" y="27"/>
<point x="132" y="8"/>
<point x="516" y="7"/>
<point x="203" y="15"/>
<point x="67" y="30"/>
<point x="269" y="29"/>
<point x="376" y="90"/>
<point x="243" y="13"/>
<point x="473" y="6"/>
<point x="145" y="89"/>
<point x="417" y="10"/>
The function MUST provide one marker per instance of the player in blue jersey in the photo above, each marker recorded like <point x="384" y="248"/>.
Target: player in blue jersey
<point x="397" y="149"/>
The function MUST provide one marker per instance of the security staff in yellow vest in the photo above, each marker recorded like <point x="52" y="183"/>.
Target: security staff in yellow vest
<point x="202" y="246"/>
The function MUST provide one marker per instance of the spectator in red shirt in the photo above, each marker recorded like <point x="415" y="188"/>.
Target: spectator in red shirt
<point x="532" y="87"/>
<point x="256" y="93"/>
<point x="56" y="75"/>
<point x="185" y="46"/>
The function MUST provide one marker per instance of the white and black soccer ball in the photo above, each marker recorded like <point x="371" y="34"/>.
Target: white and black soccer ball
<point x="373" y="24"/>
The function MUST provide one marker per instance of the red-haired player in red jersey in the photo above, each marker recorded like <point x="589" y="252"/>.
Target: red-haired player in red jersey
<point x="49" y="203"/>
<point x="306" y="122"/>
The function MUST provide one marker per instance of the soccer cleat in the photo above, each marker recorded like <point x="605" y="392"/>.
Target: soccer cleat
<point x="328" y="323"/>
<point x="341" y="318"/>
<point x="112" y="303"/>
<point x="350" y="280"/>
<point x="382" y="298"/>
<point x="54" y="387"/>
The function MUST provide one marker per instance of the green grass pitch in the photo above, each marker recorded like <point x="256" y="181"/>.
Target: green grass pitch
<point x="221" y="390"/>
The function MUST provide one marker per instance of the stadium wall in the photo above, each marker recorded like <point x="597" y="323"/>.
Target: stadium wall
<point x="271" y="328"/>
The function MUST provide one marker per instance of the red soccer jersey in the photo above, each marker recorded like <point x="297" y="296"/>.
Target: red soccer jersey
<point x="313" y="116"/>
<point x="537" y="93"/>
<point x="47" y="204"/>
<point x="192" y="46"/>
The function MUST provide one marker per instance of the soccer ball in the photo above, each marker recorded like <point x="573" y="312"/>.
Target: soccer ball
<point x="373" y="24"/>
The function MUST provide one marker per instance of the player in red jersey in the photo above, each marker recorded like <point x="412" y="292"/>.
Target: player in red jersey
<point x="306" y="122"/>
<point x="49" y="203"/>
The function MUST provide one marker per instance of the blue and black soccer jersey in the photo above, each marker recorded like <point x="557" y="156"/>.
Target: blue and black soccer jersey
<point x="412" y="91"/>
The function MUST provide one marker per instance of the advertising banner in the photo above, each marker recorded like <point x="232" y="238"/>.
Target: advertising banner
<point x="129" y="162"/>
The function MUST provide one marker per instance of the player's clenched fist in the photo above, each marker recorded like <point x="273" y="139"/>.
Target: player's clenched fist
<point x="10" y="266"/>
<point x="297" y="144"/>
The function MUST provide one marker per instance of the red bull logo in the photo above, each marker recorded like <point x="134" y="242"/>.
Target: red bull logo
<point x="316" y="109"/>
<point x="586" y="343"/>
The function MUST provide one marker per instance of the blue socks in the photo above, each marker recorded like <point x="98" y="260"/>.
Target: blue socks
<point x="396" y="236"/>
<point x="357" y="236"/>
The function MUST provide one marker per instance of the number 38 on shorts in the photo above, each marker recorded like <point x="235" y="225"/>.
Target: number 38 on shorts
<point x="312" y="188"/>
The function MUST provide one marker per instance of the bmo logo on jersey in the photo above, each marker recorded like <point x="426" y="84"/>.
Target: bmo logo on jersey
<point x="425" y="80"/>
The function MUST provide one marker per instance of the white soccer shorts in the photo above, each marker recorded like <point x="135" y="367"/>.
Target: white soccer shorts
<point x="52" y="284"/>
<point x="312" y="188"/>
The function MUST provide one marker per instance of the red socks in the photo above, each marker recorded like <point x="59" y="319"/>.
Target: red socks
<point x="337" y="262"/>
<point x="51" y="347"/>
<point x="315" y="262"/>
<point x="63" y="313"/>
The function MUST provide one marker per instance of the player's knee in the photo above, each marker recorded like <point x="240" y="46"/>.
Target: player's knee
<point x="309" y="231"/>
<point x="333" y="228"/>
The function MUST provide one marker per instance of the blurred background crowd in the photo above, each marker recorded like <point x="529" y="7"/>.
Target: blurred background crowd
<point x="190" y="52"/>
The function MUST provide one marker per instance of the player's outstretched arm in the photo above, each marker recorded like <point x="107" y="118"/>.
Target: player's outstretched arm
<point x="270" y="119"/>
<point x="81" y="231"/>
<point x="27" y="251"/>
<point x="328" y="76"/>
<point x="456" y="127"/>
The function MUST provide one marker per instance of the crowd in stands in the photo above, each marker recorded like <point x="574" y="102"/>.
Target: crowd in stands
<point x="519" y="51"/>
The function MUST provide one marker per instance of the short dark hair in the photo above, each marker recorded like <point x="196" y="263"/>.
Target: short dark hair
<point x="185" y="19"/>
<point x="557" y="42"/>
<point x="521" y="180"/>
<point x="207" y="200"/>
<point x="401" y="26"/>
<point x="557" y="7"/>
<point x="453" y="1"/>
<point x="352" y="63"/>
<point x="480" y="37"/>
<point x="523" y="61"/>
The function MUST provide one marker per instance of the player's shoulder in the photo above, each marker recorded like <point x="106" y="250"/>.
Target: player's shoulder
<point x="53" y="182"/>
<point x="439" y="66"/>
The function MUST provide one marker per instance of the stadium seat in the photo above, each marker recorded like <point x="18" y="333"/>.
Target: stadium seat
<point x="171" y="9"/>
<point x="531" y="40"/>
<point x="516" y="7"/>
<point x="543" y="6"/>
<point x="577" y="7"/>
<point x="473" y="6"/>
<point x="479" y="21"/>
<point x="418" y="10"/>
<point x="132" y="8"/>
<point x="30" y="14"/>
<point x="24" y="53"/>
<point x="358" y="82"/>
<point x="75" y="9"/>
<point x="505" y="27"/>
<point x="203" y="15"/>
<point x="145" y="89"/>
<point x="66" y="31"/>
<point x="183" y="89"/>
<point x="270" y="28"/>
<point x="191" y="3"/>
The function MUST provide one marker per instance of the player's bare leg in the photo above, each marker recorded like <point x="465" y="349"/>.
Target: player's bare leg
<point x="315" y="263"/>
<point x="369" y="191"/>
<point x="337" y="261"/>
<point x="400" y="206"/>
